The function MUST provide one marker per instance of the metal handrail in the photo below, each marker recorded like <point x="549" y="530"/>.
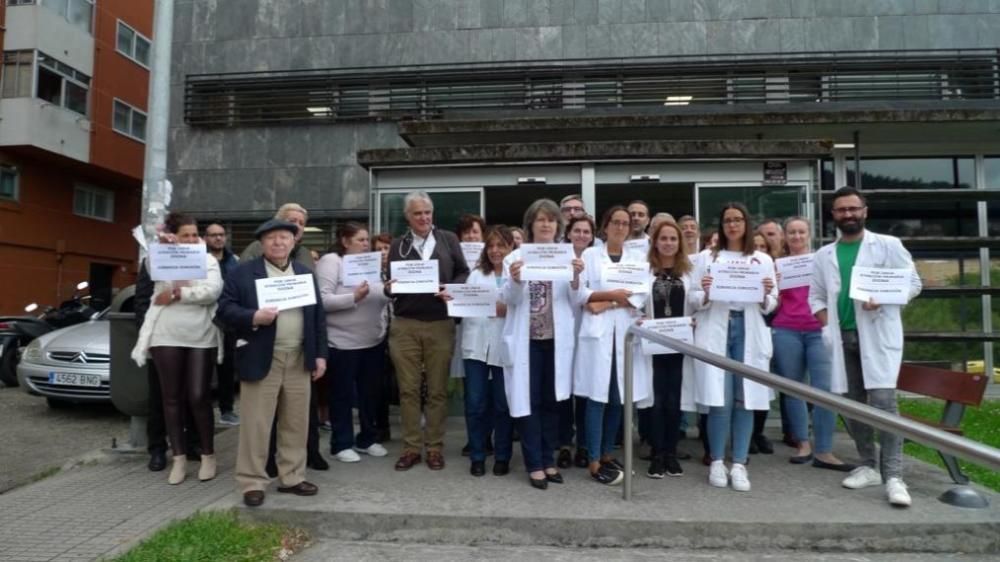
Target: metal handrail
<point x="968" y="449"/>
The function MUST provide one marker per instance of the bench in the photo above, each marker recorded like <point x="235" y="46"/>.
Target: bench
<point x="958" y="390"/>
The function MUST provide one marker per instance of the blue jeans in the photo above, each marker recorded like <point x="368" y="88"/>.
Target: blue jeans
<point x="731" y="415"/>
<point x="353" y="372"/>
<point x="796" y="353"/>
<point x="538" y="429"/>
<point x="602" y="419"/>
<point x="485" y="397"/>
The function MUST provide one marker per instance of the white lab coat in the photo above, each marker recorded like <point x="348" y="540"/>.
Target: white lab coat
<point x="517" y="336"/>
<point x="711" y="334"/>
<point x="688" y="403"/>
<point x="482" y="338"/>
<point x="880" y="331"/>
<point x="598" y="332"/>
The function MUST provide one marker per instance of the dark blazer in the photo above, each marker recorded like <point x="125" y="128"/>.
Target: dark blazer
<point x="237" y="305"/>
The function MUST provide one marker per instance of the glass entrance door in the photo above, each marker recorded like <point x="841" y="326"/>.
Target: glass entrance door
<point x="762" y="201"/>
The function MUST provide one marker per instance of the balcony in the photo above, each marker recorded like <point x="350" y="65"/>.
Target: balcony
<point x="38" y="123"/>
<point x="34" y="27"/>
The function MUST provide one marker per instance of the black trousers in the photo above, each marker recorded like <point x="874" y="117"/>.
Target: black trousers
<point x="156" y="425"/>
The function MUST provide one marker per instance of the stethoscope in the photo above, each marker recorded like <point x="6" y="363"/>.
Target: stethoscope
<point x="408" y="242"/>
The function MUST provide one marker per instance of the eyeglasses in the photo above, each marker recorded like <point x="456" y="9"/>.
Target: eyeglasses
<point x="573" y="210"/>
<point x="848" y="210"/>
<point x="620" y="224"/>
<point x="735" y="220"/>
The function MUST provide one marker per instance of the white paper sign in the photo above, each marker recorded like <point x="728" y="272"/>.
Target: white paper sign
<point x="881" y="284"/>
<point x="737" y="282"/>
<point x="472" y="251"/>
<point x="626" y="275"/>
<point x="359" y="268"/>
<point x="414" y="276"/>
<point x="678" y="328"/>
<point x="796" y="271"/>
<point x="177" y="262"/>
<point x="292" y="291"/>
<point x="547" y="262"/>
<point x="470" y="301"/>
<point x="637" y="245"/>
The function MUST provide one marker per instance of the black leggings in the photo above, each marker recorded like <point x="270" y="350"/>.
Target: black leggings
<point x="185" y="380"/>
<point x="665" y="415"/>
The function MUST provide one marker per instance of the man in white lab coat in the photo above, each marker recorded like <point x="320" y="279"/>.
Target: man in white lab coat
<point x="865" y="338"/>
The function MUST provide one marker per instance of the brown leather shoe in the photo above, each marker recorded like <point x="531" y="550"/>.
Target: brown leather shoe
<point x="301" y="489"/>
<point x="253" y="498"/>
<point x="407" y="460"/>
<point x="435" y="460"/>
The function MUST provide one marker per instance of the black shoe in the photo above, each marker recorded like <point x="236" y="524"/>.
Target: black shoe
<point x="466" y="450"/>
<point x="478" y="468"/>
<point x="656" y="469"/>
<point x="608" y="475"/>
<point x="317" y="462"/>
<point x="672" y="466"/>
<point x="683" y="456"/>
<point x="842" y="467"/>
<point x="157" y="461"/>
<point x="763" y="444"/>
<point x="565" y="459"/>
<point x="271" y="468"/>
<point x="615" y="464"/>
<point x="501" y="468"/>
<point x="580" y="460"/>
<point x="801" y="459"/>
<point x="539" y="484"/>
<point x="554" y="478"/>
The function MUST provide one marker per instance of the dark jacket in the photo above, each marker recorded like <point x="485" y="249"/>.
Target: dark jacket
<point x="236" y="309"/>
<point x="228" y="263"/>
<point x="144" y="285"/>
<point x="451" y="269"/>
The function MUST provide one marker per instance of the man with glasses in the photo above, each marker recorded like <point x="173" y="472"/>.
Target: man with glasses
<point x="865" y="338"/>
<point x="571" y="207"/>
<point x="215" y="241"/>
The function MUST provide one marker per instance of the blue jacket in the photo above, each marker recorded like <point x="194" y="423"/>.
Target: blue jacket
<point x="236" y="309"/>
<point x="228" y="263"/>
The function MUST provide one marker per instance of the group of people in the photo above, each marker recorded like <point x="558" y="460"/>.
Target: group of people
<point x="547" y="367"/>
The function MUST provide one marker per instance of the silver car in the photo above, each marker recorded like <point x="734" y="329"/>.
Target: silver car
<point x="73" y="364"/>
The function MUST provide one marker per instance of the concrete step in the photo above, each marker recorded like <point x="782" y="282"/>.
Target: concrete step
<point x="790" y="508"/>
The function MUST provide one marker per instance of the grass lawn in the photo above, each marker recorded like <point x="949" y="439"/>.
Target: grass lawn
<point x="980" y="424"/>
<point x="218" y="536"/>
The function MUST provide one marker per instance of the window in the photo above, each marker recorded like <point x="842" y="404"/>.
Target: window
<point x="129" y="121"/>
<point x="20" y="2"/>
<point x="8" y="182"/>
<point x="61" y="85"/>
<point x="94" y="203"/>
<point x="79" y="13"/>
<point x="17" y="72"/>
<point x="992" y="165"/>
<point x="132" y="44"/>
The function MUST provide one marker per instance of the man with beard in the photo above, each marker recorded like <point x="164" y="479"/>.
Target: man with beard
<point x="865" y="338"/>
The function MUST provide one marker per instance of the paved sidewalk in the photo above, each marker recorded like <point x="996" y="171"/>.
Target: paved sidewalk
<point x="103" y="508"/>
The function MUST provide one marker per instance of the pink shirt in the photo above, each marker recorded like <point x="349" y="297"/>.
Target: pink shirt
<point x="793" y="311"/>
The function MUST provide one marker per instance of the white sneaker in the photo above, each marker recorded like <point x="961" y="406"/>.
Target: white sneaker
<point x="862" y="477"/>
<point x="348" y="455"/>
<point x="896" y="490"/>
<point x="738" y="475"/>
<point x="375" y="450"/>
<point x="717" y="474"/>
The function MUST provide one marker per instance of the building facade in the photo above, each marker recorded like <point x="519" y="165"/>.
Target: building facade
<point x="72" y="140"/>
<point x="489" y="104"/>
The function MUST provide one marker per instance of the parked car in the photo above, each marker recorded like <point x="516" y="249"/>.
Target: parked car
<point x="73" y="364"/>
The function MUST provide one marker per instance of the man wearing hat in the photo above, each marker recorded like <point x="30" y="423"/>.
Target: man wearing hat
<point x="282" y="353"/>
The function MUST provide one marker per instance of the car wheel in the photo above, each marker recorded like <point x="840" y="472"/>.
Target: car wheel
<point x="57" y="404"/>
<point x="8" y="366"/>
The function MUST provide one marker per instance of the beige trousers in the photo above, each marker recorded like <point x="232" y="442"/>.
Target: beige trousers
<point x="416" y="348"/>
<point x="285" y="389"/>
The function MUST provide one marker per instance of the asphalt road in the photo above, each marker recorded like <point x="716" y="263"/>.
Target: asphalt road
<point x="36" y="439"/>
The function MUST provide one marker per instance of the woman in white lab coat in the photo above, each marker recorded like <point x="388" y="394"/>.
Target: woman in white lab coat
<point x="486" y="409"/>
<point x="736" y="330"/>
<point x="600" y="354"/>
<point x="538" y="339"/>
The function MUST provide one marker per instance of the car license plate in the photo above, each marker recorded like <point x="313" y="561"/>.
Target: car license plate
<point x="74" y="379"/>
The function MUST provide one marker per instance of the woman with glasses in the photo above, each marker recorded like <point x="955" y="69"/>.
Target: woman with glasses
<point x="735" y="330"/>
<point x="580" y="233"/>
<point x="538" y="346"/>
<point x="600" y="353"/>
